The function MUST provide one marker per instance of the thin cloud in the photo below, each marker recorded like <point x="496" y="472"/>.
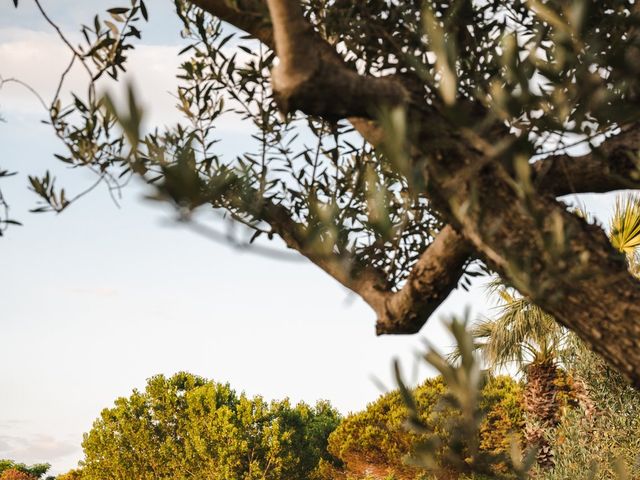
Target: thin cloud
<point x="35" y="448"/>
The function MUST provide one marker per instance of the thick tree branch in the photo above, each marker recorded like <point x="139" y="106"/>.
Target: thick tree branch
<point x="432" y="279"/>
<point x="615" y="165"/>
<point x="313" y="77"/>
<point x="251" y="16"/>
<point x="565" y="265"/>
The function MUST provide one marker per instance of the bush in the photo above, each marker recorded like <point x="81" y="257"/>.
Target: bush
<point x="610" y="437"/>
<point x="70" y="475"/>
<point x="12" y="470"/>
<point x="376" y="442"/>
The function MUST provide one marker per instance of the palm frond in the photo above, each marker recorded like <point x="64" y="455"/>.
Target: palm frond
<point x="624" y="230"/>
<point x="519" y="332"/>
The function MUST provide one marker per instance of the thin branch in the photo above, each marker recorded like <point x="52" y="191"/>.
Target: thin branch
<point x="228" y="240"/>
<point x="4" y="81"/>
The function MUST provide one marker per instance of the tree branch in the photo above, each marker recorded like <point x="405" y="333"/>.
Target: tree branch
<point x="367" y="282"/>
<point x="251" y="16"/>
<point x="432" y="279"/>
<point x="564" y="265"/>
<point x="310" y="68"/>
<point x="615" y="165"/>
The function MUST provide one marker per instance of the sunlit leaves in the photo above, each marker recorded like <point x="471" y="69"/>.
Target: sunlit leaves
<point x="443" y="46"/>
<point x="517" y="332"/>
<point x="624" y="230"/>
<point x="189" y="427"/>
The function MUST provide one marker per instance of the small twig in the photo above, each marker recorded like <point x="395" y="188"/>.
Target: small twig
<point x="4" y="81"/>
<point x="229" y="241"/>
<point x="62" y="78"/>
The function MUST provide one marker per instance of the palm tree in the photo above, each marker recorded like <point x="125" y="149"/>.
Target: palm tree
<point x="523" y="335"/>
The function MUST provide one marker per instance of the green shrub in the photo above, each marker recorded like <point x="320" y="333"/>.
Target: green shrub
<point x="376" y="442"/>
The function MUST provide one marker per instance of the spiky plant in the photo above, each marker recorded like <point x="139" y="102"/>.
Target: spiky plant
<point x="624" y="229"/>
<point x="519" y="334"/>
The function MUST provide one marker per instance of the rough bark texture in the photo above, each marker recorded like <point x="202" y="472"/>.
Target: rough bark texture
<point x="543" y="406"/>
<point x="563" y="264"/>
<point x="611" y="167"/>
<point x="309" y="68"/>
<point x="434" y="276"/>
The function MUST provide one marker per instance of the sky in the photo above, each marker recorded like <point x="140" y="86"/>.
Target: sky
<point x="99" y="298"/>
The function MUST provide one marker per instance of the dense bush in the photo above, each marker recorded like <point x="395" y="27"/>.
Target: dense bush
<point x="70" y="475"/>
<point x="608" y="438"/>
<point x="376" y="442"/>
<point x="187" y="427"/>
<point x="14" y="474"/>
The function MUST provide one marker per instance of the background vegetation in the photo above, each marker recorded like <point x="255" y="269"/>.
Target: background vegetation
<point x="187" y="427"/>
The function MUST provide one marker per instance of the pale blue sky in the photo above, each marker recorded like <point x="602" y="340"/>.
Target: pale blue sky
<point x="96" y="300"/>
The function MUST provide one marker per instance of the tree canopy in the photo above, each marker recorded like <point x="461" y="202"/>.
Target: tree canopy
<point x="394" y="143"/>
<point x="188" y="427"/>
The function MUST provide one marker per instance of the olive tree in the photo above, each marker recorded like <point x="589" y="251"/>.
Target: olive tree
<point x="395" y="144"/>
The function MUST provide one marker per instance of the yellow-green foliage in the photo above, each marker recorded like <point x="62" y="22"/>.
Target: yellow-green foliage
<point x="376" y="442"/>
<point x="186" y="427"/>
<point x="71" y="475"/>
<point x="504" y="420"/>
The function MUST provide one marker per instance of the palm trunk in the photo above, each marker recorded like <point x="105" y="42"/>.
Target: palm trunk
<point x="543" y="406"/>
